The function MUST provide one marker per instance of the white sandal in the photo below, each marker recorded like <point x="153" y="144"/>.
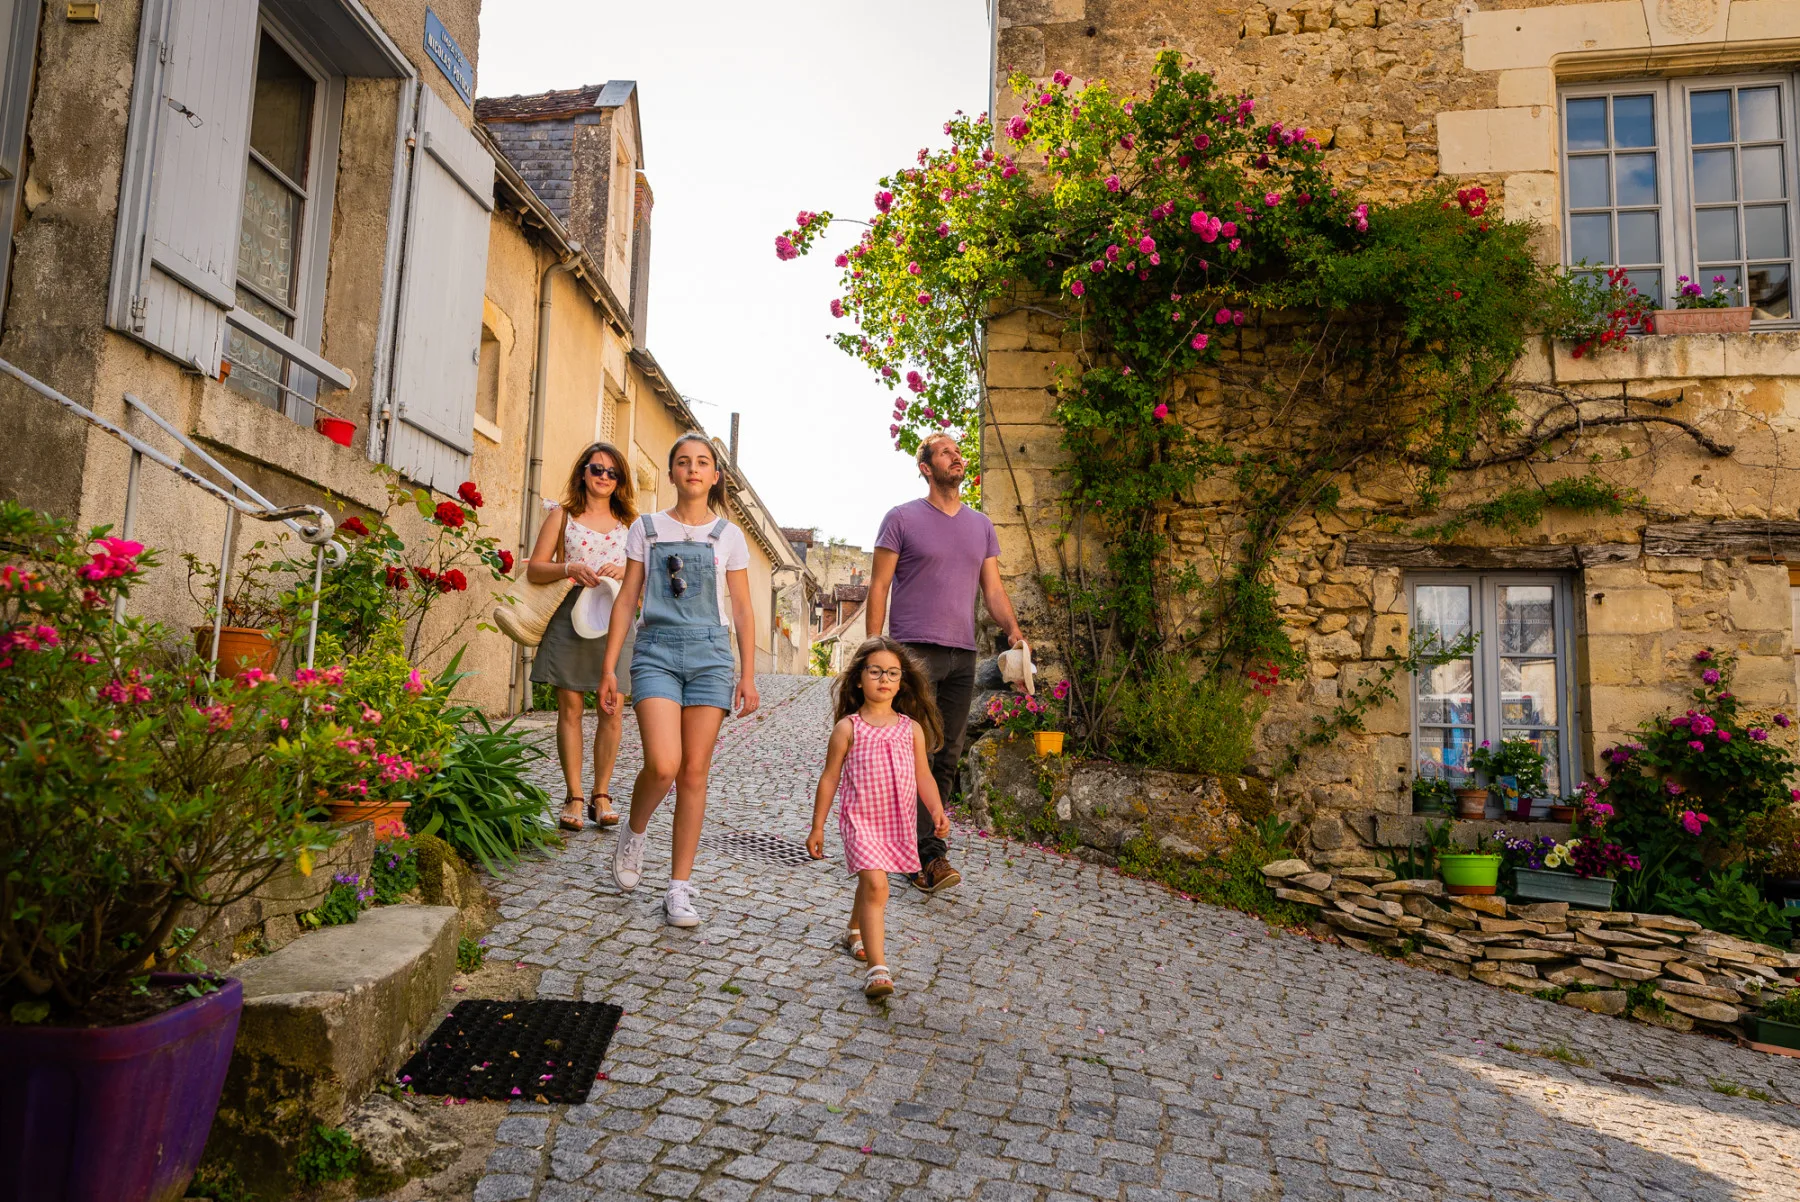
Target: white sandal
<point x="852" y="940"/>
<point x="878" y="983"/>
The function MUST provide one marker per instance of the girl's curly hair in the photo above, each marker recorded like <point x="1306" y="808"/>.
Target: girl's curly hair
<point x="916" y="698"/>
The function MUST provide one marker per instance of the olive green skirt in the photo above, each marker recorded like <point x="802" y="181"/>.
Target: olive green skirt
<point x="565" y="660"/>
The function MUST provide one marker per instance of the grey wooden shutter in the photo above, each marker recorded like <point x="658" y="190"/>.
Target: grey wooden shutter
<point x="444" y="276"/>
<point x="181" y="204"/>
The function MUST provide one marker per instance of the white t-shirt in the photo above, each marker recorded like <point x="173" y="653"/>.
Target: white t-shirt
<point x="730" y="554"/>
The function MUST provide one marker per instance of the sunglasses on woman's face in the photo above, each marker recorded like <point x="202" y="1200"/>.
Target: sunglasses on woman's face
<point x="677" y="582"/>
<point x="600" y="471"/>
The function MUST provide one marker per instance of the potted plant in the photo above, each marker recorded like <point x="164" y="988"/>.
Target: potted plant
<point x="252" y="613"/>
<point x="1517" y="769"/>
<point x="1433" y="795"/>
<point x="1019" y="714"/>
<point x="1471" y="873"/>
<point x="1585" y="884"/>
<point x="1698" y="311"/>
<point x="1471" y="802"/>
<point x="1777" y="1024"/>
<point x="136" y="801"/>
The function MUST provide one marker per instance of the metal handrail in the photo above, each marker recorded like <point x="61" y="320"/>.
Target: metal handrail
<point x="318" y="533"/>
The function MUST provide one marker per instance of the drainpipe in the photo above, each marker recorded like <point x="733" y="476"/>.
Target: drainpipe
<point x="534" y="443"/>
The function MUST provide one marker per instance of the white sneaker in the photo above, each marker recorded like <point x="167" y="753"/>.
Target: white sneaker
<point x="678" y="907"/>
<point x="628" y="860"/>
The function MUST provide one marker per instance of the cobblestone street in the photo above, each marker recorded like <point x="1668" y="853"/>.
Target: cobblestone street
<point x="1061" y="1032"/>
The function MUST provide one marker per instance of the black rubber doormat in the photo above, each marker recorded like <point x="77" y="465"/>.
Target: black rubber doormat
<point x="547" y="1051"/>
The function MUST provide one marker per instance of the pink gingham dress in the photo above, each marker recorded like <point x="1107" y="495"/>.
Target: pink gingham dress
<point x="878" y="798"/>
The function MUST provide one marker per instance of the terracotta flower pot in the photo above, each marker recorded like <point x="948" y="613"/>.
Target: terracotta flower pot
<point x="1735" y="320"/>
<point x="1047" y="742"/>
<point x="1562" y="813"/>
<point x="374" y="811"/>
<point x="240" y="647"/>
<point x="1471" y="803"/>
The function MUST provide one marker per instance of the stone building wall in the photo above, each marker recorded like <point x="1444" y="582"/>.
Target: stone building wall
<point x="1407" y="95"/>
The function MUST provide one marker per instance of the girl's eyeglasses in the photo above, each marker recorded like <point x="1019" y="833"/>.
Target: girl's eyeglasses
<point x="888" y="674"/>
<point x="601" y="471"/>
<point x="677" y="582"/>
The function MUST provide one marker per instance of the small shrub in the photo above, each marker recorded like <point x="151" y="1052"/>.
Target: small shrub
<point x="347" y="898"/>
<point x="395" y="872"/>
<point x="480" y="801"/>
<point x="1234" y="879"/>
<point x="470" y="954"/>
<point x="1726" y="902"/>
<point x="1168" y="720"/>
<point x="218" y="1183"/>
<point x="328" y="1154"/>
<point x="1784" y="1009"/>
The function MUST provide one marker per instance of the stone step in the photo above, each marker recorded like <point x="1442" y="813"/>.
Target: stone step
<point x="326" y="1019"/>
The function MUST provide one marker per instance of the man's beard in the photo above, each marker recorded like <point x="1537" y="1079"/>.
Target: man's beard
<point x="944" y="478"/>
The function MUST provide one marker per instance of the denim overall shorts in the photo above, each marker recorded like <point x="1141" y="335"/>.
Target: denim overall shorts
<point x="683" y="649"/>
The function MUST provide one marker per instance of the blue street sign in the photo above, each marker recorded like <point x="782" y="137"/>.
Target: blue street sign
<point x="449" y="57"/>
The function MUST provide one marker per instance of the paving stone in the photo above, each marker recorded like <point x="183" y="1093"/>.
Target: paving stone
<point x="1339" y="1075"/>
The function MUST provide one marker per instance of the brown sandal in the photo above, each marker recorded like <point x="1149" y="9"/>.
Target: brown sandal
<point x="569" y="824"/>
<point x="595" y="816"/>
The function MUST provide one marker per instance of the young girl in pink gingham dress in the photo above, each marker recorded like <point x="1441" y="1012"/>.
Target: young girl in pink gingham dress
<point x="878" y="767"/>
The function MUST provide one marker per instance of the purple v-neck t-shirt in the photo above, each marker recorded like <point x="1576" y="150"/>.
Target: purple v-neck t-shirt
<point x="938" y="575"/>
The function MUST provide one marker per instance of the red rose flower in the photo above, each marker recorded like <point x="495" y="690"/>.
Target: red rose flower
<point x="396" y="578"/>
<point x="468" y="492"/>
<point x="354" y="525"/>
<point x="425" y="575"/>
<point x="451" y="514"/>
<point x="453" y="580"/>
<point x="506" y="560"/>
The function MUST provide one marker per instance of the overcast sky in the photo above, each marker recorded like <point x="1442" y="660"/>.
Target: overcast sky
<point x="751" y="112"/>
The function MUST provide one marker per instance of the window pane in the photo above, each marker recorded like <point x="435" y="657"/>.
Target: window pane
<point x="1639" y="241"/>
<point x="1648" y="284"/>
<point x="1528" y="692"/>
<point x="1446" y="693"/>
<point x="1587" y="183"/>
<point x="1527" y="619"/>
<point x="255" y="364"/>
<point x="1441" y="611"/>
<point x="1590" y="238"/>
<point x="1759" y="114"/>
<point x="281" y="119"/>
<point x="1717" y="234"/>
<point x="1715" y="177"/>
<point x="267" y="240"/>
<point x="1634" y="121"/>
<point x="1720" y="277"/>
<point x="1769" y="291"/>
<point x="1587" y="124"/>
<point x="1765" y="232"/>
<point x="1636" y="174"/>
<point x="1763" y="173"/>
<point x="1710" y="114"/>
<point x="1445" y="752"/>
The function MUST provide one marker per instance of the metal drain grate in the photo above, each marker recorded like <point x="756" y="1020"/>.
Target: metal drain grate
<point x="755" y="845"/>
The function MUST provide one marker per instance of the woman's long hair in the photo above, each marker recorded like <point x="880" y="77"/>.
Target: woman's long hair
<point x="715" y="496"/>
<point x="624" y="497"/>
<point x="916" y="698"/>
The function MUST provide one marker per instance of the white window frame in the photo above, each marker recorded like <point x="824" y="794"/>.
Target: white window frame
<point x="306" y="368"/>
<point x="1484" y="611"/>
<point x="1674" y="167"/>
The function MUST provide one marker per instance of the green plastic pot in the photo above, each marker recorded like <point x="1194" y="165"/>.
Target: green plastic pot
<point x="1767" y="1030"/>
<point x="1468" y="873"/>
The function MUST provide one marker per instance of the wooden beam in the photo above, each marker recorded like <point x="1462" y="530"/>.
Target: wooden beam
<point x="1723" y="540"/>
<point x="1430" y="556"/>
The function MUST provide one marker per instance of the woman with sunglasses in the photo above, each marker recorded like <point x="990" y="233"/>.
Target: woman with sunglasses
<point x="691" y="568"/>
<point x="583" y="539"/>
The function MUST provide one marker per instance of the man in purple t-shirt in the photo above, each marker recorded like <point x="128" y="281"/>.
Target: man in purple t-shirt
<point x="938" y="554"/>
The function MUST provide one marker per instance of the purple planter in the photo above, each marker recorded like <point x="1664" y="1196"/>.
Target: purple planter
<point x="114" y="1114"/>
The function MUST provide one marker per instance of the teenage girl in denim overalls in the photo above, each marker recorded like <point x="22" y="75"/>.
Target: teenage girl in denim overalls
<point x="683" y="681"/>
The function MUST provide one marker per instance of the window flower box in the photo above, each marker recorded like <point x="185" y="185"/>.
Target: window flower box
<point x="1590" y="893"/>
<point x="1773" y="1034"/>
<point x="1734" y="320"/>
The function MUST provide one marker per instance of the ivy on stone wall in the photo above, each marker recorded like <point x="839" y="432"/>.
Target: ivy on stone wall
<point x="1158" y="231"/>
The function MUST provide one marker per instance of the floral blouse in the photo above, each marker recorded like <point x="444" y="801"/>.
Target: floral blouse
<point x="582" y="545"/>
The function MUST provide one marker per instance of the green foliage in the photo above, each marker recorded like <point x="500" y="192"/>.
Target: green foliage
<point x="481" y="801"/>
<point x="131" y="788"/>
<point x="1520" y="507"/>
<point x="1018" y="714"/>
<point x="343" y="903"/>
<point x="1167" y="718"/>
<point x="471" y="954"/>
<point x="1726" y="901"/>
<point x="1596" y="309"/>
<point x="1420" y="860"/>
<point x="1784" y="1009"/>
<point x="1516" y="758"/>
<point x="395" y="871"/>
<point x="214" y="1182"/>
<point x="1234" y="879"/>
<point x="819" y="660"/>
<point x="1643" y="994"/>
<point x="328" y="1154"/>
<point x="1773" y="841"/>
<point x="1431" y="795"/>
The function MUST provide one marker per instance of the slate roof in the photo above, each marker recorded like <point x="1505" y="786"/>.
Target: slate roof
<point x="553" y="105"/>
